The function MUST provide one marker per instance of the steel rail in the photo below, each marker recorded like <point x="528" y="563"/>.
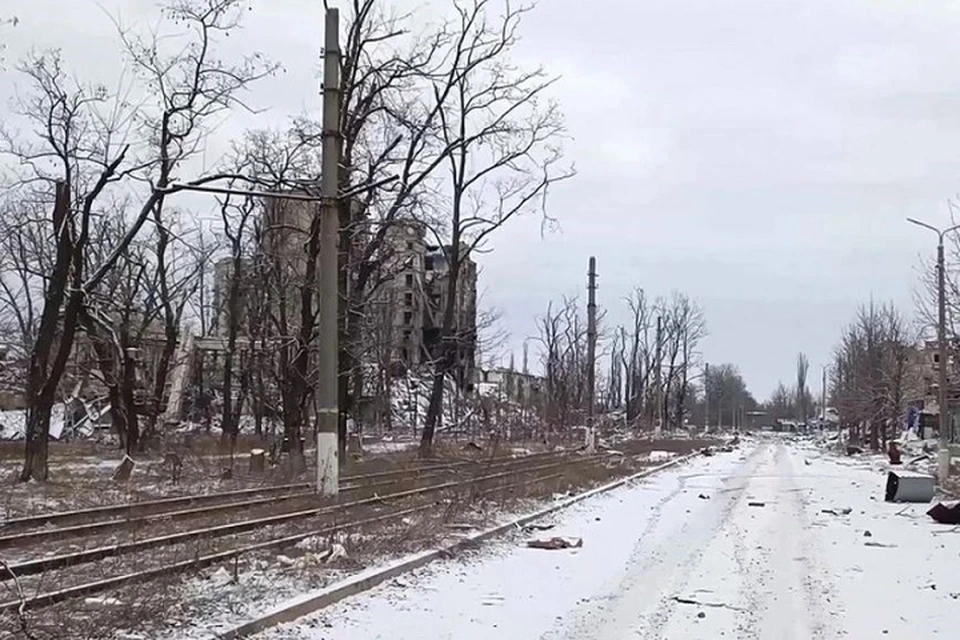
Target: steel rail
<point x="37" y="536"/>
<point x="49" y="563"/>
<point x="128" y="509"/>
<point x="59" y="595"/>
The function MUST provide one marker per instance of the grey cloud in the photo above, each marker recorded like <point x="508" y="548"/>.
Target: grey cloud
<point x="758" y="154"/>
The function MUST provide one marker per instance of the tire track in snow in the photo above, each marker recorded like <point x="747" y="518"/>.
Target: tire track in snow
<point x="667" y="608"/>
<point x="819" y="589"/>
<point x="784" y="586"/>
<point x="655" y="574"/>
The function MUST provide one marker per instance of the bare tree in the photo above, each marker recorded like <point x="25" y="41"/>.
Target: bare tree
<point x="503" y="156"/>
<point x="686" y="327"/>
<point x="727" y="393"/>
<point x="782" y="403"/>
<point x="638" y="354"/>
<point x="87" y="140"/>
<point x="869" y="384"/>
<point x="237" y="218"/>
<point x="563" y="340"/>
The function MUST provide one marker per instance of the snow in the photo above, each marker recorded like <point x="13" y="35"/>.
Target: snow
<point x="659" y="456"/>
<point x="736" y="545"/>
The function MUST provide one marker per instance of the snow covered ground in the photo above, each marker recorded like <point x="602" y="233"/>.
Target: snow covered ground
<point x="737" y="546"/>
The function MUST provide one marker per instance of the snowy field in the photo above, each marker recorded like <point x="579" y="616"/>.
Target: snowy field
<point x="736" y="546"/>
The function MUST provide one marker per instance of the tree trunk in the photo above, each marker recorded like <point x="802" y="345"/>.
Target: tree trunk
<point x="43" y="376"/>
<point x="37" y="437"/>
<point x="228" y="425"/>
<point x="434" y="408"/>
<point x="128" y="390"/>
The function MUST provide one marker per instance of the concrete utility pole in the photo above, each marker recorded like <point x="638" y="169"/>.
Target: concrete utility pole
<point x="706" y="397"/>
<point x="591" y="352"/>
<point x="658" y="374"/>
<point x="328" y="399"/>
<point x="943" y="452"/>
<point x="823" y="398"/>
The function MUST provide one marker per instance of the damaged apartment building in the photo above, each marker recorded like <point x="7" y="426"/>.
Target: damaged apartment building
<point x="405" y="313"/>
<point x="414" y="296"/>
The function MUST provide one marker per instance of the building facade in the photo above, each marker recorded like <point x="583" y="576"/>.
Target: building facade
<point x="414" y="295"/>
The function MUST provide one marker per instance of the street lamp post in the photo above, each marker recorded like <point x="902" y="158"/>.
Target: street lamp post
<point x="943" y="453"/>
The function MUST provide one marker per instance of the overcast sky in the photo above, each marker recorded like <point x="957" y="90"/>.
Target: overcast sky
<point x="759" y="155"/>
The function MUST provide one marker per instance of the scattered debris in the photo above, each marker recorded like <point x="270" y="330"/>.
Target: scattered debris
<point x="124" y="471"/>
<point x="703" y="496"/>
<point x="335" y="552"/>
<point x="103" y="601"/>
<point x="221" y="576"/>
<point x="944" y="514"/>
<point x="870" y="543"/>
<point x="951" y="530"/>
<point x="313" y="543"/>
<point x="916" y="460"/>
<point x="893" y="452"/>
<point x="756" y="504"/>
<point x="697" y="603"/>
<point x="492" y="600"/>
<point x="556" y="543"/>
<point x="908" y="486"/>
<point x="844" y="511"/>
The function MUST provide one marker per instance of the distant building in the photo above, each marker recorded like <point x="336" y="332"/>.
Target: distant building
<point x="506" y="384"/>
<point x="922" y="384"/>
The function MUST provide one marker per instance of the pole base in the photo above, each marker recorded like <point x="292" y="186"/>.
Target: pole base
<point x="328" y="468"/>
<point x="591" y="441"/>
<point x="943" y="464"/>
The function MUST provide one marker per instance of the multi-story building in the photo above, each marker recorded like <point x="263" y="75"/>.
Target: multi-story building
<point x="922" y="384"/>
<point x="402" y="297"/>
<point x="415" y="295"/>
<point x="407" y="310"/>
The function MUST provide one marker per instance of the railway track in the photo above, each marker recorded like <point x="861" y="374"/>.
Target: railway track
<point x="67" y="568"/>
<point x="165" y="511"/>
